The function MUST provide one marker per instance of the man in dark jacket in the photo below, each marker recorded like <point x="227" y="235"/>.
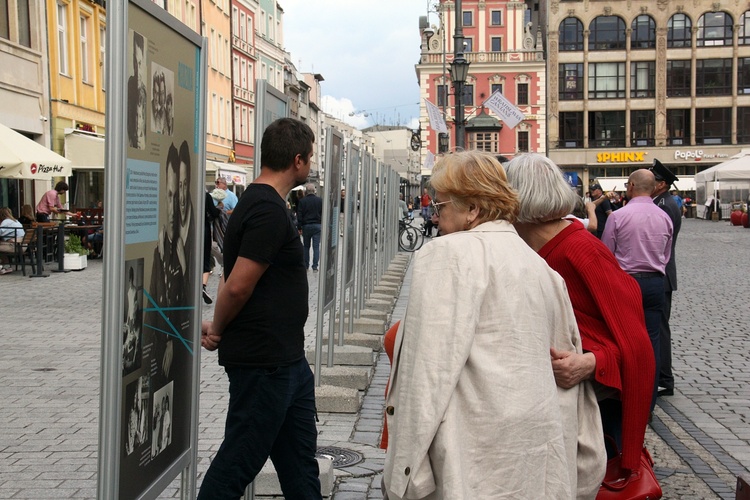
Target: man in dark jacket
<point x="665" y="201"/>
<point x="309" y="216"/>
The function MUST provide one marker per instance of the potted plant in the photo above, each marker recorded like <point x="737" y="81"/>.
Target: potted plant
<point x="75" y="254"/>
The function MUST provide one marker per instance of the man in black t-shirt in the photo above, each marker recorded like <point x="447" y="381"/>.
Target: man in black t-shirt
<point x="603" y="208"/>
<point x="258" y="327"/>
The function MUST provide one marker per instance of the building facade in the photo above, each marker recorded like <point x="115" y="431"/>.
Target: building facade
<point x="392" y="145"/>
<point x="314" y="116"/>
<point x="187" y="11"/>
<point x="270" y="44"/>
<point x="217" y="27"/>
<point x="633" y="81"/>
<point x="503" y="45"/>
<point x="244" y="60"/>
<point x="24" y="73"/>
<point x="76" y="30"/>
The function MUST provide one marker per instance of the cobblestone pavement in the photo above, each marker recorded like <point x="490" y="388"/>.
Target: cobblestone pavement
<point x="49" y="382"/>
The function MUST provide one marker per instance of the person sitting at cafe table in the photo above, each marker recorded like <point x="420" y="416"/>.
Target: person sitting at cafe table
<point x="11" y="231"/>
<point x="50" y="202"/>
<point x="27" y="217"/>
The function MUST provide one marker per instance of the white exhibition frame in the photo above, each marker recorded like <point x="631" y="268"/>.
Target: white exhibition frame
<point x="187" y="80"/>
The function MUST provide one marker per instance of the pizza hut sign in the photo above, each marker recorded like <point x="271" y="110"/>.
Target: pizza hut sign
<point x="45" y="169"/>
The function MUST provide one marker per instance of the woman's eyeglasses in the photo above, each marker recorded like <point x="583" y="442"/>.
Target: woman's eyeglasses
<point x="436" y="206"/>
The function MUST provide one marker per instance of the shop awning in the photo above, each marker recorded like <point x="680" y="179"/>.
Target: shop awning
<point x="22" y="158"/>
<point x="234" y="173"/>
<point x="618" y="183"/>
<point x="84" y="150"/>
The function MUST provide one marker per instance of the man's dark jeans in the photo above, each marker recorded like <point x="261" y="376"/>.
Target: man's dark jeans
<point x="271" y="413"/>
<point x="311" y="233"/>
<point x="652" y="293"/>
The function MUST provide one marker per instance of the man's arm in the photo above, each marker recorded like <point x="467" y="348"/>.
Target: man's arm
<point x="591" y="213"/>
<point x="232" y="296"/>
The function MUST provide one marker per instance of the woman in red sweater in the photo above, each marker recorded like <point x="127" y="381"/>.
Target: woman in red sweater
<point x="617" y="354"/>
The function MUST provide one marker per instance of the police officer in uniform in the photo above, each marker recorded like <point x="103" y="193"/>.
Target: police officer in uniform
<point x="664" y="180"/>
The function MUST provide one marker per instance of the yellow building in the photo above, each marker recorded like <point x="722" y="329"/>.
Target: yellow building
<point x="77" y="35"/>
<point x="219" y="130"/>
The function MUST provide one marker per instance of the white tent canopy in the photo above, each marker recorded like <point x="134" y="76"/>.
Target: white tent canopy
<point x="737" y="167"/>
<point x="22" y="158"/>
<point x="234" y="173"/>
<point x="729" y="181"/>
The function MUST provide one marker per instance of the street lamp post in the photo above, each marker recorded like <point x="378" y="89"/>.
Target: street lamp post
<point x="459" y="72"/>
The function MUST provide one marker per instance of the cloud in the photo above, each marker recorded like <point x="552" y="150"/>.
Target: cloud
<point x="344" y="110"/>
<point x="365" y="49"/>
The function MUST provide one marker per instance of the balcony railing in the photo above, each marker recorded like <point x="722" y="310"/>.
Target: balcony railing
<point x="244" y="94"/>
<point x="489" y="57"/>
<point x="243" y="45"/>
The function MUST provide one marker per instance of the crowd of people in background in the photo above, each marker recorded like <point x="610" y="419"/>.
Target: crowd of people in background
<point x="539" y="357"/>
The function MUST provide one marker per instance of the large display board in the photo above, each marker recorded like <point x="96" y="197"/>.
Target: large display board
<point x="270" y="105"/>
<point x="154" y="178"/>
<point x="352" y="196"/>
<point x="332" y="200"/>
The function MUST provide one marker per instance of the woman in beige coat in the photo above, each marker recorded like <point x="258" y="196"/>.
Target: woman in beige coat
<point x="473" y="410"/>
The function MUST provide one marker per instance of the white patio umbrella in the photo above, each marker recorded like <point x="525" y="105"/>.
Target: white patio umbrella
<point x="22" y="158"/>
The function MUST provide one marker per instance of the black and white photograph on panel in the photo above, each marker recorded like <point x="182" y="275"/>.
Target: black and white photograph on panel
<point x="136" y="414"/>
<point x="132" y="327"/>
<point x="162" y="100"/>
<point x="137" y="95"/>
<point x="161" y="423"/>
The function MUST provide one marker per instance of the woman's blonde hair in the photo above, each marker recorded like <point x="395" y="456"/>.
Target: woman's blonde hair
<point x="5" y="213"/>
<point x="544" y="193"/>
<point x="476" y="178"/>
<point x="28" y="211"/>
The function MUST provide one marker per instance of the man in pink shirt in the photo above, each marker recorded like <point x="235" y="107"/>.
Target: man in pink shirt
<point x="50" y="202"/>
<point x="640" y="236"/>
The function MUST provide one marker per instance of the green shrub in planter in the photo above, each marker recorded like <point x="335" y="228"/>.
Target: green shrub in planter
<point x="73" y="245"/>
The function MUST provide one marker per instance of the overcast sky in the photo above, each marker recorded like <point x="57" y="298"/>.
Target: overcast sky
<point x="366" y="51"/>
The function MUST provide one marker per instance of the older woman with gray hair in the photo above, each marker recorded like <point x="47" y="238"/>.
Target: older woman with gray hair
<point x="473" y="410"/>
<point x="617" y="357"/>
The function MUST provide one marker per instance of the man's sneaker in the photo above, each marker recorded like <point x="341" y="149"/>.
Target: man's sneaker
<point x="206" y="297"/>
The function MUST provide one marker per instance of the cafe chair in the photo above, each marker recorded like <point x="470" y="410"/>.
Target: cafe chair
<point x="23" y="251"/>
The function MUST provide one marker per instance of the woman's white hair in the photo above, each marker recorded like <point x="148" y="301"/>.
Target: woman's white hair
<point x="543" y="192"/>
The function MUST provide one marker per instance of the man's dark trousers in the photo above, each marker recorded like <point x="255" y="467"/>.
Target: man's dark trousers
<point x="271" y="413"/>
<point x="652" y="293"/>
<point x="666" y="379"/>
<point x="311" y="234"/>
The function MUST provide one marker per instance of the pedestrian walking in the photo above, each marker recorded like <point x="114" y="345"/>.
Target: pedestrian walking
<point x="309" y="216"/>
<point x="425" y="204"/>
<point x="258" y="328"/>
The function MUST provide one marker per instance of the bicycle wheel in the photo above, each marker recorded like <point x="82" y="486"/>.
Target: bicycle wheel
<point x="410" y="239"/>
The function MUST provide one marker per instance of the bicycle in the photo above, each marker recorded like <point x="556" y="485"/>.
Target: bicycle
<point x="410" y="239"/>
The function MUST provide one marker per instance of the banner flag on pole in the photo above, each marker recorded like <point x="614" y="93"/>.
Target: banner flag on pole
<point x="429" y="162"/>
<point x="437" y="123"/>
<point x="510" y="114"/>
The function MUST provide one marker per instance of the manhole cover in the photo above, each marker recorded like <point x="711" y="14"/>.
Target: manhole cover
<point x="341" y="457"/>
<point x="44" y="369"/>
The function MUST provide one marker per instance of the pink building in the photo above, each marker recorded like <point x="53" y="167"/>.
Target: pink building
<point x="504" y="47"/>
<point x="244" y="59"/>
